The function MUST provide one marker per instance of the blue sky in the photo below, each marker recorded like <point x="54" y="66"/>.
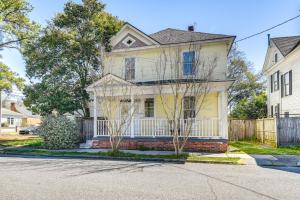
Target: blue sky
<point x="235" y="17"/>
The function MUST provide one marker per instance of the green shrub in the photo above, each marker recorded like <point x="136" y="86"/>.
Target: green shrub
<point x="59" y="133"/>
<point x="4" y="124"/>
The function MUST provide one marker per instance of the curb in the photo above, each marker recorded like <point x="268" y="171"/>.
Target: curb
<point x="215" y="162"/>
<point x="92" y="157"/>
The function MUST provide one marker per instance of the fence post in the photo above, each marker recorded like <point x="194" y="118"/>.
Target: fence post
<point x="263" y="131"/>
<point x="276" y="131"/>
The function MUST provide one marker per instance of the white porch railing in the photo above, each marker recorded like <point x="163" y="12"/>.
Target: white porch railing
<point x="200" y="128"/>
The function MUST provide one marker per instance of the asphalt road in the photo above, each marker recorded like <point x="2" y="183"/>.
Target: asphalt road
<point x="41" y="178"/>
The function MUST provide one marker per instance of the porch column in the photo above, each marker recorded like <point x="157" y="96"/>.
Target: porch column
<point x="95" y="114"/>
<point x="224" y="115"/>
<point x="131" y="115"/>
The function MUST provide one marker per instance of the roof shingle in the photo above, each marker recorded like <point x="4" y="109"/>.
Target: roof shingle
<point x="286" y="44"/>
<point x="174" y="36"/>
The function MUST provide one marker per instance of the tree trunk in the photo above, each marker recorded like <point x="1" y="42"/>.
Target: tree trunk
<point x="0" y="111"/>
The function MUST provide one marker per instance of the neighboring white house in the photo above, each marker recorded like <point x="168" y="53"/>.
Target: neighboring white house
<point x="282" y="69"/>
<point x="11" y="118"/>
<point x="134" y="62"/>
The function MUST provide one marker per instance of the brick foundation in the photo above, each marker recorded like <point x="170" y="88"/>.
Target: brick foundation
<point x="194" y="144"/>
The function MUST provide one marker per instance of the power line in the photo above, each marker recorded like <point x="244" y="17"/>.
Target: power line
<point x="250" y="36"/>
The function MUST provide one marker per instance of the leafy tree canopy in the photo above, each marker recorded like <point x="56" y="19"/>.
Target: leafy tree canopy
<point x="67" y="57"/>
<point x="15" y="27"/>
<point x="247" y="83"/>
<point x="252" y="108"/>
<point x="9" y="78"/>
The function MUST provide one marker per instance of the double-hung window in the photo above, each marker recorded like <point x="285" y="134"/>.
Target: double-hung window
<point x="189" y="63"/>
<point x="149" y="107"/>
<point x="129" y="68"/>
<point x="189" y="107"/>
<point x="286" y="84"/>
<point x="275" y="81"/>
<point x="10" y="120"/>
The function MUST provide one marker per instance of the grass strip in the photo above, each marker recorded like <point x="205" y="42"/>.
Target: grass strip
<point x="252" y="147"/>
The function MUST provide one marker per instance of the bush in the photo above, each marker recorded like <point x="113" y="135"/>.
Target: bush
<point x="59" y="133"/>
<point x="4" y="124"/>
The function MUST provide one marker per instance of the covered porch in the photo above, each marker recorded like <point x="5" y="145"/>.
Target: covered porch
<point x="148" y="119"/>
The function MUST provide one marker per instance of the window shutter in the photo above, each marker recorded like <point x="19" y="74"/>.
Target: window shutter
<point x="272" y="111"/>
<point x="271" y="83"/>
<point x="282" y="86"/>
<point x="290" y="82"/>
<point x="278" y="80"/>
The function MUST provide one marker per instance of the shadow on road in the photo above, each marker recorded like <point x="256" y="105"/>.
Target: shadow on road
<point x="75" y="167"/>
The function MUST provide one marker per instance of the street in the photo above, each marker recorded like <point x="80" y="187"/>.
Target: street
<point x="45" y="178"/>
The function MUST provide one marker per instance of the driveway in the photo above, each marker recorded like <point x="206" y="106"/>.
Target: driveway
<point x="41" y="178"/>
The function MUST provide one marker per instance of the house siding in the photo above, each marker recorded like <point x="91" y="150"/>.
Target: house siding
<point x="146" y="61"/>
<point x="290" y="103"/>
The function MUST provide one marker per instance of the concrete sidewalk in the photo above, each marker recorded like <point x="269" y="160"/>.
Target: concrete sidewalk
<point x="248" y="159"/>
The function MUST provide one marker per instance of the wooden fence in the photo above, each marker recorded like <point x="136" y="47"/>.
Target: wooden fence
<point x="86" y="128"/>
<point x="263" y="130"/>
<point x="288" y="131"/>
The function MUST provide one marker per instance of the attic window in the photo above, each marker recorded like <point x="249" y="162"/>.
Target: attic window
<point x="128" y="41"/>
<point x="276" y="58"/>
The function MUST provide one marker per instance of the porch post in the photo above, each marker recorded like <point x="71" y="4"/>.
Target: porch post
<point x="131" y="115"/>
<point x="95" y="114"/>
<point x="220" y="114"/>
<point x="224" y="115"/>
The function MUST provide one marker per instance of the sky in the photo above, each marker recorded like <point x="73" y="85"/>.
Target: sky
<point x="232" y="17"/>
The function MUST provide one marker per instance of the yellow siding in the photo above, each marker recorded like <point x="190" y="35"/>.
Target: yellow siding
<point x="209" y="107"/>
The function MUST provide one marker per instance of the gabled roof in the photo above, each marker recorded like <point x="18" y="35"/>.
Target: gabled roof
<point x="128" y="25"/>
<point x="174" y="36"/>
<point x="286" y="44"/>
<point x="11" y="113"/>
<point x="108" y="77"/>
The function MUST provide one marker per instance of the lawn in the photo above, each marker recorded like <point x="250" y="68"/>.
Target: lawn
<point x="129" y="156"/>
<point x="14" y="140"/>
<point x="252" y="147"/>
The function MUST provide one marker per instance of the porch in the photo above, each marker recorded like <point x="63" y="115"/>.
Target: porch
<point x="155" y="127"/>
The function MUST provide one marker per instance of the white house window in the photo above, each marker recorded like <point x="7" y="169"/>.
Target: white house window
<point x="128" y="41"/>
<point x="10" y="120"/>
<point x="189" y="107"/>
<point x="275" y="81"/>
<point x="276" y="57"/>
<point x="189" y="63"/>
<point x="287" y="84"/>
<point x="129" y="68"/>
<point x="149" y="107"/>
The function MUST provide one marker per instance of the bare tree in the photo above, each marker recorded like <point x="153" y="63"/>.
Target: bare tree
<point x="117" y="107"/>
<point x="189" y="86"/>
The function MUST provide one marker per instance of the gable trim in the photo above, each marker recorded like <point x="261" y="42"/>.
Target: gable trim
<point x="128" y="25"/>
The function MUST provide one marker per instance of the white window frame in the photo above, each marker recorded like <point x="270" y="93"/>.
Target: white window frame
<point x="190" y="109"/>
<point x="194" y="64"/>
<point x="286" y="84"/>
<point x="126" y="40"/>
<point x="126" y="70"/>
<point x="149" y="107"/>
<point x="275" y="83"/>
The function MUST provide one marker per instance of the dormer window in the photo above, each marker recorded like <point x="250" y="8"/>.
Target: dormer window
<point x="276" y="58"/>
<point x="128" y="41"/>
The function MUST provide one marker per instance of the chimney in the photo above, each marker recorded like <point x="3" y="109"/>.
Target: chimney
<point x="13" y="107"/>
<point x="191" y="28"/>
<point x="269" y="37"/>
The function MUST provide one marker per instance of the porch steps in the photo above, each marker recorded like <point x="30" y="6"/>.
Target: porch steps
<point x="86" y="145"/>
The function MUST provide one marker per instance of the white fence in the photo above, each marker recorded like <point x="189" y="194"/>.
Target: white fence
<point x="206" y="128"/>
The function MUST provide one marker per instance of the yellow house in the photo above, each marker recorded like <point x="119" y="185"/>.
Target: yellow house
<point x="152" y="80"/>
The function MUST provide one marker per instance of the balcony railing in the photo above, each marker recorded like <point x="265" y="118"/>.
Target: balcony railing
<point x="154" y="127"/>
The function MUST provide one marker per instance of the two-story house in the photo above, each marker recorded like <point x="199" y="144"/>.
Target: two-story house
<point x="281" y="67"/>
<point x="134" y="60"/>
